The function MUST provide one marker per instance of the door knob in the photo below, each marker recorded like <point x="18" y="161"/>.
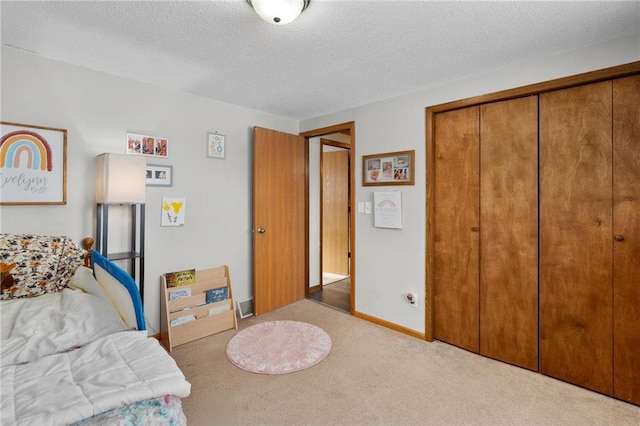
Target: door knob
<point x="619" y="238"/>
<point x="475" y="229"/>
<point x="261" y="230"/>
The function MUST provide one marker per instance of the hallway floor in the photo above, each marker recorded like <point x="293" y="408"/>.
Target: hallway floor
<point x="336" y="294"/>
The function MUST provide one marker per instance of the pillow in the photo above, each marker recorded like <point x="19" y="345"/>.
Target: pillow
<point x="34" y="265"/>
<point x="121" y="290"/>
<point x="85" y="281"/>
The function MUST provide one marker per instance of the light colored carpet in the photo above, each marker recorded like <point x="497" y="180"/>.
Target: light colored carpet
<point x="278" y="347"/>
<point x="376" y="376"/>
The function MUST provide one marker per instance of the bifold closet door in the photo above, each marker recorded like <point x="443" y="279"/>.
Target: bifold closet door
<point x="576" y="309"/>
<point x="456" y="289"/>
<point x="626" y="231"/>
<point x="509" y="231"/>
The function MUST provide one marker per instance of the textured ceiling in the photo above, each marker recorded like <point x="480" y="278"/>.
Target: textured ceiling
<point x="338" y="54"/>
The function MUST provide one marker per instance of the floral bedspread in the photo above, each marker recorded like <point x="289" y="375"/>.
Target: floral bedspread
<point x="166" y="410"/>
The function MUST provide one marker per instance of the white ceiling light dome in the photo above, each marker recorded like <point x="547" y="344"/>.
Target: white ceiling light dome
<point x="279" y="12"/>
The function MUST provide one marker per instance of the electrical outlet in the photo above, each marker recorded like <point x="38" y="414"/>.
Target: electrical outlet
<point x="412" y="298"/>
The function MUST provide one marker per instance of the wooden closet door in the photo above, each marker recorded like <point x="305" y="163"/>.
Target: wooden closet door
<point x="576" y="312"/>
<point x="509" y="231"/>
<point x="626" y="230"/>
<point x="456" y="237"/>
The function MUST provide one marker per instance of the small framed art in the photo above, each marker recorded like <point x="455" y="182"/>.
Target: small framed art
<point x="245" y="307"/>
<point x="391" y="168"/>
<point x="147" y="145"/>
<point x="388" y="209"/>
<point x="159" y="175"/>
<point x="215" y="145"/>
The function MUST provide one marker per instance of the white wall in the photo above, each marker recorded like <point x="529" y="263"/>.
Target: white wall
<point x="389" y="262"/>
<point x="97" y="110"/>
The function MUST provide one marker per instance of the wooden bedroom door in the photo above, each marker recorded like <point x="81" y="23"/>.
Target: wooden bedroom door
<point x="456" y="289"/>
<point x="279" y="219"/>
<point x="335" y="210"/>
<point x="576" y="312"/>
<point x="509" y="231"/>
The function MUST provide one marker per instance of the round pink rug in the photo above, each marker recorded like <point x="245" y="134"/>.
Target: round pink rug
<point x="278" y="347"/>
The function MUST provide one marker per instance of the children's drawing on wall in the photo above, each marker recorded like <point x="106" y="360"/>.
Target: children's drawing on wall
<point x="173" y="212"/>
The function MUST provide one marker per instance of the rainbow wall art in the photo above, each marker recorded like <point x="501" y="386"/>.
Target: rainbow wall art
<point x="33" y="165"/>
<point x="23" y="149"/>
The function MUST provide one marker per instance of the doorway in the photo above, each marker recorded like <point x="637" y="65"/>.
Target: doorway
<point x="331" y="234"/>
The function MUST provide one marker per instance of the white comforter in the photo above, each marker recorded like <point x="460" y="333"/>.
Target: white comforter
<point x="63" y="388"/>
<point x="68" y="356"/>
<point x="38" y="326"/>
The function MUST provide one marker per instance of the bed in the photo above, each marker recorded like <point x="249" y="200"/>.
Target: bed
<point x="74" y="347"/>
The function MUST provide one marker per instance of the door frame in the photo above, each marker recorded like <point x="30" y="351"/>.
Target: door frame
<point x="349" y="127"/>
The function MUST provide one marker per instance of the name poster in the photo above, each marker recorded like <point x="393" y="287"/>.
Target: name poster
<point x="388" y="209"/>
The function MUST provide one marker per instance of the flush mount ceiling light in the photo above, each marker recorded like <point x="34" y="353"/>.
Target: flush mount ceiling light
<point x="279" y="12"/>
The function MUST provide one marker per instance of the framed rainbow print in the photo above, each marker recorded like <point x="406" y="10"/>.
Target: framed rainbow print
<point x="33" y="165"/>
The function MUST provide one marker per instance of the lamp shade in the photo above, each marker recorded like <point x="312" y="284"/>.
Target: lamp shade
<point x="120" y="179"/>
<point x="279" y="12"/>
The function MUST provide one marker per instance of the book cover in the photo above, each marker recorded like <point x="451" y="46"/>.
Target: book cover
<point x="217" y="294"/>
<point x="219" y="309"/>
<point x="183" y="320"/>
<point x="180" y="293"/>
<point x="178" y="278"/>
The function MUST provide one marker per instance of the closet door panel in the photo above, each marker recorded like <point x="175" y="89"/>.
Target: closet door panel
<point x="456" y="228"/>
<point x="626" y="230"/>
<point x="509" y="231"/>
<point x="576" y="313"/>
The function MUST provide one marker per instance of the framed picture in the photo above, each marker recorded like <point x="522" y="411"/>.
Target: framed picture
<point x="391" y="168"/>
<point x="33" y="165"/>
<point x="147" y="145"/>
<point x="159" y="175"/>
<point x="245" y="307"/>
<point x="388" y="209"/>
<point x="215" y="145"/>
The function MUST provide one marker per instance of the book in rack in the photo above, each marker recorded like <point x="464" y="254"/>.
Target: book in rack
<point x="178" y="278"/>
<point x="192" y="311"/>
